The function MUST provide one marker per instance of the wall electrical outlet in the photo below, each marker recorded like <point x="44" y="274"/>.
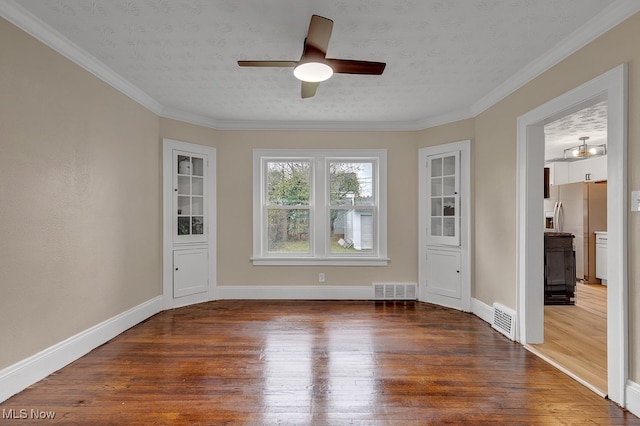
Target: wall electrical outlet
<point x="321" y="277"/>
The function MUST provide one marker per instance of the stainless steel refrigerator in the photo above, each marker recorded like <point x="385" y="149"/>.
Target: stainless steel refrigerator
<point x="580" y="209"/>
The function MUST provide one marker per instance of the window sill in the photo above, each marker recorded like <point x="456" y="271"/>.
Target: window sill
<point x="310" y="261"/>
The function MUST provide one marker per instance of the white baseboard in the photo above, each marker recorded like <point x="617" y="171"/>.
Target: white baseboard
<point x="482" y="310"/>
<point x="633" y="397"/>
<point x="23" y="374"/>
<point x="256" y="292"/>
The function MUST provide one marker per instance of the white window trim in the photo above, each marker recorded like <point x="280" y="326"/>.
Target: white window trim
<point x="320" y="254"/>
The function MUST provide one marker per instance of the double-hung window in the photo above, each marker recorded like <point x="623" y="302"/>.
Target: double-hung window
<point x="319" y="207"/>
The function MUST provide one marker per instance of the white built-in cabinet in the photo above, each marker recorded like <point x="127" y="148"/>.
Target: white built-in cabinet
<point x="189" y="223"/>
<point x="444" y="267"/>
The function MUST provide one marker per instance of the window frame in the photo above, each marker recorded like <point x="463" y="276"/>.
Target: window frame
<point x="320" y="207"/>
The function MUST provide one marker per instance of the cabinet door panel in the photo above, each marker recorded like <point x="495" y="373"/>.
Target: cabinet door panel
<point x="190" y="272"/>
<point x="598" y="168"/>
<point x="443" y="198"/>
<point x="443" y="276"/>
<point x="601" y="261"/>
<point x="577" y="171"/>
<point x="190" y="197"/>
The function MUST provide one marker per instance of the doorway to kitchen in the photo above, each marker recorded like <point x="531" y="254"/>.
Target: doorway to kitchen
<point x="575" y="216"/>
<point x="530" y="246"/>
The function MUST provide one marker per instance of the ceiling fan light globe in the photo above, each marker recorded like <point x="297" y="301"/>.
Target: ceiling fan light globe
<point x="313" y="72"/>
<point x="575" y="152"/>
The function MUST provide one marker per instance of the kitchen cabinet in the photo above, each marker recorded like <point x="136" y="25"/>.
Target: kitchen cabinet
<point x="597" y="169"/>
<point x="601" y="256"/>
<point x="558" y="173"/>
<point x="589" y="170"/>
<point x="559" y="269"/>
<point x="547" y="177"/>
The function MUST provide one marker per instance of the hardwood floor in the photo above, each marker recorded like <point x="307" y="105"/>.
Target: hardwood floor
<point x="314" y="362"/>
<point x="593" y="298"/>
<point x="575" y="337"/>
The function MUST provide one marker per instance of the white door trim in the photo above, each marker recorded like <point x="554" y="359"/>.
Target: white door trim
<point x="464" y="147"/>
<point x="168" y="146"/>
<point x="530" y="163"/>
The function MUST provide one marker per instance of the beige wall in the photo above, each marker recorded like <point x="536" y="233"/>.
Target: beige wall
<point x="79" y="199"/>
<point x="234" y="171"/>
<point x="495" y="162"/>
<point x="453" y="132"/>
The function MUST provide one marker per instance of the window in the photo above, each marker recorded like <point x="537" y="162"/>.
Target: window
<point x="319" y="207"/>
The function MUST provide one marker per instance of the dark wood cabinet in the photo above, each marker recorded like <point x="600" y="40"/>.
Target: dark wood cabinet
<point x="559" y="269"/>
<point x="547" y="182"/>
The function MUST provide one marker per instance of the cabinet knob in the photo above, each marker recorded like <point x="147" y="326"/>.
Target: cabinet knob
<point x="176" y="269"/>
<point x="458" y="271"/>
<point x="175" y="189"/>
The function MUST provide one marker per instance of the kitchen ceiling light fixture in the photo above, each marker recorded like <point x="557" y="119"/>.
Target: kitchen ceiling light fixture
<point x="583" y="150"/>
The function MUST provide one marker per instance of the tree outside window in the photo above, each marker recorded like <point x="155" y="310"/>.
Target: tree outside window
<point x="288" y="206"/>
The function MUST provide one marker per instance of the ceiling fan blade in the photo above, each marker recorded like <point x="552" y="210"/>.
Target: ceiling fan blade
<point x="267" y="63"/>
<point x="318" y="36"/>
<point x="348" y="66"/>
<point x="309" y="89"/>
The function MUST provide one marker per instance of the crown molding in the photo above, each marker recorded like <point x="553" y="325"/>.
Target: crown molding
<point x="592" y="29"/>
<point x="609" y="18"/>
<point x="32" y="25"/>
<point x="218" y="124"/>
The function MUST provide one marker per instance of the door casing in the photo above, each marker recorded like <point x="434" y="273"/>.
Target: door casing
<point x="611" y="86"/>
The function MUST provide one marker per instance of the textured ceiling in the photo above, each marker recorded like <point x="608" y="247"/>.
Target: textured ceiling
<point x="442" y="55"/>
<point x="567" y="131"/>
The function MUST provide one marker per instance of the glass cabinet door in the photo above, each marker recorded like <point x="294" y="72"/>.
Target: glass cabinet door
<point x="444" y="199"/>
<point x="189" y="202"/>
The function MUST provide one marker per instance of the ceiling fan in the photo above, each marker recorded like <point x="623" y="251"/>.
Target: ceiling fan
<point x="314" y="67"/>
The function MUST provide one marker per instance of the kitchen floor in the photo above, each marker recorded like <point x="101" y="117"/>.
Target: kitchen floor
<point x="576" y="336"/>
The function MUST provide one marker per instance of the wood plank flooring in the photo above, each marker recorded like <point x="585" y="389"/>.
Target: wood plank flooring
<point x="313" y="362"/>
<point x="593" y="298"/>
<point x="575" y="337"/>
